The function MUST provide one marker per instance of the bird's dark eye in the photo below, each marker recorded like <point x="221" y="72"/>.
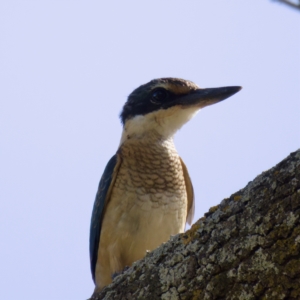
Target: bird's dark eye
<point x="158" y="96"/>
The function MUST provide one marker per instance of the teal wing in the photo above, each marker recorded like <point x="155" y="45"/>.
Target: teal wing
<point x="102" y="196"/>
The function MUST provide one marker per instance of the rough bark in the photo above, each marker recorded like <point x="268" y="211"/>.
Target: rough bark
<point x="248" y="247"/>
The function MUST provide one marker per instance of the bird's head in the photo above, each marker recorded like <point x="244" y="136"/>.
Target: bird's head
<point x="163" y="105"/>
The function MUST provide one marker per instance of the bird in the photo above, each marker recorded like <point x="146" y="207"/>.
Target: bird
<point x="145" y="194"/>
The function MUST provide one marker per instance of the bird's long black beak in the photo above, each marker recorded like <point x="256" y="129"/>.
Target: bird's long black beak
<point x="205" y="97"/>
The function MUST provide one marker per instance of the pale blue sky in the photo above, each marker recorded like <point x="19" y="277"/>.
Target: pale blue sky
<point x="66" y="70"/>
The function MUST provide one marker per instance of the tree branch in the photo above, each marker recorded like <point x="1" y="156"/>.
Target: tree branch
<point x="290" y="4"/>
<point x="248" y="247"/>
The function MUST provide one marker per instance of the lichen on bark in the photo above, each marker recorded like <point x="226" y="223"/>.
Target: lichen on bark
<point x="248" y="247"/>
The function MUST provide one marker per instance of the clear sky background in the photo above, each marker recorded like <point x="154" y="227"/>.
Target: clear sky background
<point x="66" y="69"/>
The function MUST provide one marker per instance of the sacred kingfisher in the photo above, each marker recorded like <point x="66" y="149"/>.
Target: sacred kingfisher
<point x="145" y="194"/>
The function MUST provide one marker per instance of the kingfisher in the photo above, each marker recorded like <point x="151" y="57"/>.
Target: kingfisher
<point x="145" y="194"/>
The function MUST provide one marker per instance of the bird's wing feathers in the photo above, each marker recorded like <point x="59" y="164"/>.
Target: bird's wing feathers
<point x="104" y="190"/>
<point x="190" y="194"/>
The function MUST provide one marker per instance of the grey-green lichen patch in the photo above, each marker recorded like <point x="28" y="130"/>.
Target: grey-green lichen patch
<point x="190" y="234"/>
<point x="213" y="208"/>
<point x="291" y="219"/>
<point x="248" y="247"/>
<point x="172" y="294"/>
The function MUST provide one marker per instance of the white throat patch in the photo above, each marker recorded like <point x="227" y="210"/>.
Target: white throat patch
<point x="163" y="123"/>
